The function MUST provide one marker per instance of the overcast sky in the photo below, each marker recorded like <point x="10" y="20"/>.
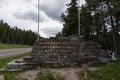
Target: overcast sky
<point x="23" y="13"/>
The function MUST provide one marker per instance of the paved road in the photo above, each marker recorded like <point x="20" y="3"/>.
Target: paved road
<point x="13" y="52"/>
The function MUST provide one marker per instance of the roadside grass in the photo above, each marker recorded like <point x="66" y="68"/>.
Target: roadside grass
<point x="4" y="61"/>
<point x="10" y="75"/>
<point x="109" y="71"/>
<point x="11" y="46"/>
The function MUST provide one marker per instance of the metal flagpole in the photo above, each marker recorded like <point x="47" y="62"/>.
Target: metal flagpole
<point x="38" y="19"/>
<point x="79" y="17"/>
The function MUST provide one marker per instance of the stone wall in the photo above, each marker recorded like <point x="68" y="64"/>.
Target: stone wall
<point x="65" y="51"/>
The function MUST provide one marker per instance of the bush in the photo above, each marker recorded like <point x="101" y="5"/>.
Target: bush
<point x="10" y="75"/>
<point x="110" y="71"/>
<point x="58" y="77"/>
<point x="45" y="75"/>
<point x="48" y="75"/>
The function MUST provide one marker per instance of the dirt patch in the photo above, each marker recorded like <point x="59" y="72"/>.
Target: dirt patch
<point x="67" y="73"/>
<point x="30" y="75"/>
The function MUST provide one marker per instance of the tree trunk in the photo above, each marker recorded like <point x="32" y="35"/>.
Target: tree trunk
<point x="113" y="29"/>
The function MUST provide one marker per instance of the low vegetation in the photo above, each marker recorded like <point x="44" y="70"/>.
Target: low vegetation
<point x="110" y="71"/>
<point x="4" y="61"/>
<point x="11" y="46"/>
<point x="48" y="75"/>
<point x="10" y="75"/>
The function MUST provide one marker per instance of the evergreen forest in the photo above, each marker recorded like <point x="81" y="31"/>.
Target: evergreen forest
<point x="99" y="22"/>
<point x="14" y="35"/>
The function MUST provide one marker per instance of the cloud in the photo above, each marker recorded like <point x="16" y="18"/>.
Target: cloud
<point x="51" y="31"/>
<point x="51" y="28"/>
<point x="2" y="2"/>
<point x="53" y="8"/>
<point x="23" y="13"/>
<point x="29" y="15"/>
<point x="26" y="0"/>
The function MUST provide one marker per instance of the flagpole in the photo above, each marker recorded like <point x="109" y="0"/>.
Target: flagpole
<point x="79" y="17"/>
<point x="38" y="20"/>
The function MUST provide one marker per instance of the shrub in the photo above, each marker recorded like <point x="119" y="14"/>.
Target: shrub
<point x="48" y="75"/>
<point x="109" y="71"/>
<point x="45" y="75"/>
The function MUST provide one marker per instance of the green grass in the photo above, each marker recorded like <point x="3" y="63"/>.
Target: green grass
<point x="10" y="75"/>
<point x="48" y="75"/>
<point x="11" y="46"/>
<point x="110" y="71"/>
<point x="4" y="61"/>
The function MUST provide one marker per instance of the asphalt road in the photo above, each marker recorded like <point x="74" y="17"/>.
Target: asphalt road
<point x="13" y="52"/>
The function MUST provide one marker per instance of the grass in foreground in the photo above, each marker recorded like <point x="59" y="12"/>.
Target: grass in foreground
<point x="110" y="71"/>
<point x="10" y="75"/>
<point x="48" y="75"/>
<point x="4" y="61"/>
<point x="11" y="46"/>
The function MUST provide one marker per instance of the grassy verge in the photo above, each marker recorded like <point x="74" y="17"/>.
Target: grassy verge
<point x="10" y="75"/>
<point x="11" y="46"/>
<point x="110" y="71"/>
<point x="6" y="60"/>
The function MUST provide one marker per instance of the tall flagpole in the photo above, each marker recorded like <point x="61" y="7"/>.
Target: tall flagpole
<point x="79" y="17"/>
<point x="38" y="19"/>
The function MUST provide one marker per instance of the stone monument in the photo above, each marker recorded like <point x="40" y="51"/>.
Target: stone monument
<point x="66" y="51"/>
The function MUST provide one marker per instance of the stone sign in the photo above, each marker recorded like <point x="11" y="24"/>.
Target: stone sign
<point x="66" y="51"/>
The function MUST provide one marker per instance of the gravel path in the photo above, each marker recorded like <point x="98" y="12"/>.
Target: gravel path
<point x="13" y="52"/>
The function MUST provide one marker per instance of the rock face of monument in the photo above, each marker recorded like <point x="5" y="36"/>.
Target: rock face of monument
<point x="66" y="51"/>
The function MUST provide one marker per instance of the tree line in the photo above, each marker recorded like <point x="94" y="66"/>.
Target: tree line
<point x="14" y="35"/>
<point x="99" y="22"/>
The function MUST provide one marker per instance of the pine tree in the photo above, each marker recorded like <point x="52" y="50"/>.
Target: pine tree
<point x="70" y="19"/>
<point x="15" y="35"/>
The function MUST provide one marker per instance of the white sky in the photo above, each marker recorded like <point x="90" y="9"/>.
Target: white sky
<point x="23" y="14"/>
